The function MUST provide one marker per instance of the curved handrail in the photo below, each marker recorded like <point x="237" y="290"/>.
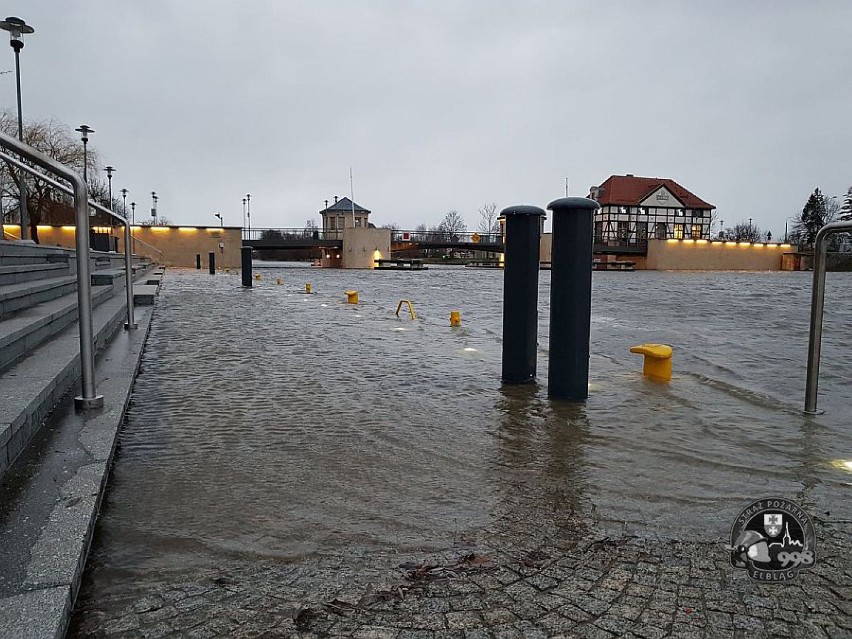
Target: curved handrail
<point x="817" y="304"/>
<point x="88" y="398"/>
<point x="136" y="239"/>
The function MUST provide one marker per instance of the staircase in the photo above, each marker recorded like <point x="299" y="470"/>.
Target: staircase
<point x="39" y="338"/>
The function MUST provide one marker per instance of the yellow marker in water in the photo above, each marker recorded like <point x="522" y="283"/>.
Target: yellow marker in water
<point x="308" y="287"/>
<point x="278" y="281"/>
<point x="410" y="308"/>
<point x="351" y="297"/>
<point x="257" y="276"/>
<point x="455" y="318"/>
<point x="658" y="360"/>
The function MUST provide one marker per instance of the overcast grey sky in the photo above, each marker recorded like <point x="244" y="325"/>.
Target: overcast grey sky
<point x="445" y="105"/>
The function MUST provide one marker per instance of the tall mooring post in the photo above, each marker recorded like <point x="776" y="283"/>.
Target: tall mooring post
<point x="211" y="262"/>
<point x="520" y="293"/>
<point x="198" y="261"/>
<point x="245" y="265"/>
<point x="570" y="298"/>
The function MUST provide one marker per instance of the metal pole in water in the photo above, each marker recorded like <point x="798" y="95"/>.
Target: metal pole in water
<point x="520" y="293"/>
<point x="211" y="262"/>
<point x="198" y="261"/>
<point x="245" y="256"/>
<point x="570" y="298"/>
<point x="817" y="303"/>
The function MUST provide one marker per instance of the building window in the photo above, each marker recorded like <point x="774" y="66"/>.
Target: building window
<point x="678" y="231"/>
<point x="357" y="222"/>
<point x="598" y="232"/>
<point x="623" y="231"/>
<point x="696" y="231"/>
<point x="331" y="223"/>
<point x="642" y="230"/>
<point x="660" y="231"/>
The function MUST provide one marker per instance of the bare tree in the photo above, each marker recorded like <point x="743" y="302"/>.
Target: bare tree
<point x="44" y="202"/>
<point x="745" y="231"/>
<point x="488" y="223"/>
<point x="453" y="225"/>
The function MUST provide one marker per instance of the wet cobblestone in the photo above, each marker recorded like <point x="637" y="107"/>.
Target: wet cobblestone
<point x="595" y="587"/>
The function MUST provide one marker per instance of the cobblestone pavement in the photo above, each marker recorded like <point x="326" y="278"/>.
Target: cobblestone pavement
<point x="596" y="586"/>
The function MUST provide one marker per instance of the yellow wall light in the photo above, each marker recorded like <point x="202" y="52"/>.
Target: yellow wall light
<point x="672" y="241"/>
<point x="188" y="229"/>
<point x="700" y="241"/>
<point x="730" y="243"/>
<point x="159" y="229"/>
<point x="69" y="228"/>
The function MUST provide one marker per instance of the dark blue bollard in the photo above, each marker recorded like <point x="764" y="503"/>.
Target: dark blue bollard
<point x="245" y="264"/>
<point x="212" y="263"/>
<point x="520" y="293"/>
<point x="570" y="298"/>
<point x="198" y="261"/>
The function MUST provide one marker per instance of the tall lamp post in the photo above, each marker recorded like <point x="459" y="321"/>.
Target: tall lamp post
<point x="84" y="131"/>
<point x="109" y="171"/>
<point x="154" y="199"/>
<point x="124" y="202"/>
<point x="17" y="28"/>
<point x="133" y="213"/>
<point x="248" y="211"/>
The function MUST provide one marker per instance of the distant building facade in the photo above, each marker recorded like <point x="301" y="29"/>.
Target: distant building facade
<point x="636" y="209"/>
<point x="343" y="214"/>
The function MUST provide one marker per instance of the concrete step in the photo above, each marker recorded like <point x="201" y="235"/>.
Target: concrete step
<point x="23" y="253"/>
<point x="38" y="381"/>
<point x="17" y="273"/>
<point x="16" y="297"/>
<point x="31" y="327"/>
<point x="144" y="294"/>
<point x="107" y="277"/>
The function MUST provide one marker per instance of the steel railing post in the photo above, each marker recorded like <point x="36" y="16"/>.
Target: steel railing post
<point x="817" y="304"/>
<point x="128" y="276"/>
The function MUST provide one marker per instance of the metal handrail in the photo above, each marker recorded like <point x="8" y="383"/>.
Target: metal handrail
<point x="88" y="398"/>
<point x="14" y="237"/>
<point x="817" y="304"/>
<point x="136" y="239"/>
<point x="128" y="261"/>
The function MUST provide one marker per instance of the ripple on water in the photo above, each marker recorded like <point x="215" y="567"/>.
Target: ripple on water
<point x="268" y="422"/>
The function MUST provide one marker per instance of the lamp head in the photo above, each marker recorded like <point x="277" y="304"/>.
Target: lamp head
<point x="109" y="171"/>
<point x="16" y="28"/>
<point x="84" y="131"/>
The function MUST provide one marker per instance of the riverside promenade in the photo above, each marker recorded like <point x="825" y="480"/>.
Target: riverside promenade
<point x="519" y="584"/>
<point x="239" y="507"/>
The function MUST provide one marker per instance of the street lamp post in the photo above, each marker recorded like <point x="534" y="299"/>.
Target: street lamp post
<point x="84" y="131"/>
<point x="17" y="28"/>
<point x="154" y="199"/>
<point x="221" y="219"/>
<point x="133" y="213"/>
<point x="109" y="171"/>
<point x="124" y="202"/>
<point x="244" y="214"/>
<point x="248" y="211"/>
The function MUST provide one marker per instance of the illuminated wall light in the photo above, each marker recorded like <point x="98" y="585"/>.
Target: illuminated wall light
<point x="759" y="245"/>
<point x="700" y="241"/>
<point x="744" y="244"/>
<point x="672" y="241"/>
<point x="730" y="243"/>
<point x="69" y="228"/>
<point x="784" y="245"/>
<point x="689" y="241"/>
<point x="188" y="229"/>
<point x="44" y="227"/>
<point x="135" y="228"/>
<point x="159" y="228"/>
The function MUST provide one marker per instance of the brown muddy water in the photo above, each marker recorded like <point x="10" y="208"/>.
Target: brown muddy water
<point x="268" y="423"/>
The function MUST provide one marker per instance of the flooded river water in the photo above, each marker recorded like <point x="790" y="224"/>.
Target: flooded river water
<point x="269" y="423"/>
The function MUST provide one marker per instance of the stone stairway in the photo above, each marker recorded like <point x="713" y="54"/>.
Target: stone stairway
<point x="39" y="338"/>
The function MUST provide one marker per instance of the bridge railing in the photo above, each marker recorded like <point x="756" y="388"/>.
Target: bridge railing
<point x="292" y="234"/>
<point x="443" y="237"/>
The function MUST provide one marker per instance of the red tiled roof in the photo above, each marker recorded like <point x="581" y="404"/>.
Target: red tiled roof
<point x="629" y="190"/>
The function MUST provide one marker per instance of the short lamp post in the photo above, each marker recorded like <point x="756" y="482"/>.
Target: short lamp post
<point x="17" y="28"/>
<point x="221" y="219"/>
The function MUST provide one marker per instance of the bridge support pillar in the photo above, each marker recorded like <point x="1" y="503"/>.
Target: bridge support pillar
<point x="520" y="293"/>
<point x="570" y="298"/>
<point x="245" y="257"/>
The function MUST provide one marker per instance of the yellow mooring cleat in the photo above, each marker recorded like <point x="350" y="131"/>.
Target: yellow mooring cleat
<point x="658" y="360"/>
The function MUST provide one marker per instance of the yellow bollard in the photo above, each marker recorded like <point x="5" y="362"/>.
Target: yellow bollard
<point x="258" y="277"/>
<point x="658" y="360"/>
<point x="308" y="288"/>
<point x="410" y="308"/>
<point x="278" y="281"/>
<point x="351" y="297"/>
<point x="455" y="318"/>
<point x="227" y="270"/>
